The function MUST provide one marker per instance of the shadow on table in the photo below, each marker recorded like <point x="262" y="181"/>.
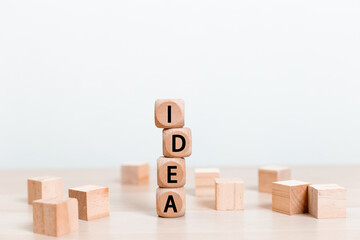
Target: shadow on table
<point x="27" y="227"/>
<point x="206" y="202"/>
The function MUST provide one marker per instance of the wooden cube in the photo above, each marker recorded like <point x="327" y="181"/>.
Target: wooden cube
<point x="56" y="216"/>
<point x="93" y="201"/>
<point x="171" y="172"/>
<point x="177" y="142"/>
<point x="170" y="202"/>
<point x="327" y="201"/>
<point x="205" y="181"/>
<point x="229" y="194"/>
<point x="269" y="174"/>
<point x="169" y="113"/>
<point x="44" y="187"/>
<point x="135" y="173"/>
<point x="290" y="197"/>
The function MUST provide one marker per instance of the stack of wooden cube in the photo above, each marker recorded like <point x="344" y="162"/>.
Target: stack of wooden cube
<point x="171" y="168"/>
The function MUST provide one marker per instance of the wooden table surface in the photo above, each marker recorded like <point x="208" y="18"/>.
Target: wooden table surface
<point x="133" y="215"/>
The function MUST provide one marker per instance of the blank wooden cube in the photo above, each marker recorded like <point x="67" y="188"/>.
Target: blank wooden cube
<point x="327" y="201"/>
<point x="169" y="113"/>
<point x="170" y="202"/>
<point x="135" y="173"/>
<point x="229" y="194"/>
<point x="177" y="142"/>
<point x="44" y="187"/>
<point x="171" y="172"/>
<point x="205" y="181"/>
<point x="93" y="201"/>
<point x="269" y="174"/>
<point x="55" y="217"/>
<point x="290" y="197"/>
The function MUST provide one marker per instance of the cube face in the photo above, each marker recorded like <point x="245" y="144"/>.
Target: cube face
<point x="269" y="174"/>
<point x="290" y="197"/>
<point x="229" y="194"/>
<point x="171" y="172"/>
<point x="55" y="217"/>
<point x="170" y="202"/>
<point x="93" y="201"/>
<point x="135" y="173"/>
<point x="44" y="188"/>
<point x="169" y="113"/>
<point x="177" y="142"/>
<point x="205" y="181"/>
<point x="327" y="201"/>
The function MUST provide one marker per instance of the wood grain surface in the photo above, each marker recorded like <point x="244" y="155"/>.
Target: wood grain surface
<point x="133" y="209"/>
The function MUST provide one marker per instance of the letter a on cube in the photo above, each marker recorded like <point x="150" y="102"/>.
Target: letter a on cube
<point x="170" y="202"/>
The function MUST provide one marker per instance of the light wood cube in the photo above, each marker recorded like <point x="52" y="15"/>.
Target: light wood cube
<point x="170" y="202"/>
<point x="290" y="197"/>
<point x="44" y="187"/>
<point x="93" y="201"/>
<point x="169" y="113"/>
<point x="135" y="173"/>
<point x="205" y="181"/>
<point x="55" y="217"/>
<point x="229" y="194"/>
<point x="327" y="201"/>
<point x="171" y="172"/>
<point x="177" y="142"/>
<point x="269" y="174"/>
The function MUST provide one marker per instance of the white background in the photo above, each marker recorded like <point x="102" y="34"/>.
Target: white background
<point x="264" y="82"/>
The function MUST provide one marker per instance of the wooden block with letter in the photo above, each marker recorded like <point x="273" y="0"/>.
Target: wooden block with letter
<point x="171" y="172"/>
<point x="44" y="187"/>
<point x="56" y="216"/>
<point x="169" y="113"/>
<point x="93" y="201"/>
<point x="290" y="197"/>
<point x="327" y="201"/>
<point x="229" y="194"/>
<point x="205" y="181"/>
<point x="135" y="173"/>
<point x="177" y="142"/>
<point x="170" y="202"/>
<point x="269" y="174"/>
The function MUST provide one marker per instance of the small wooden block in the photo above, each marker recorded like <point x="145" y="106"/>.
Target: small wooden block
<point x="270" y="174"/>
<point x="169" y="113"/>
<point x="205" y="191"/>
<point x="135" y="173"/>
<point x="327" y="201"/>
<point x="229" y="194"/>
<point x="170" y="202"/>
<point x="177" y="142"/>
<point x="205" y="181"/>
<point x="205" y="177"/>
<point x="44" y="187"/>
<point x="171" y="172"/>
<point x="290" y="197"/>
<point x="55" y="217"/>
<point x="93" y="201"/>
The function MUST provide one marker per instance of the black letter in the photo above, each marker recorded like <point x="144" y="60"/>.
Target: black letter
<point x="174" y="143"/>
<point x="169" y="173"/>
<point x="170" y="199"/>
<point x="169" y="114"/>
